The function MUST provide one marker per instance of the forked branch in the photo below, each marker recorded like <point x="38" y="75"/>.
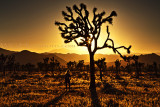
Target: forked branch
<point x="115" y="49"/>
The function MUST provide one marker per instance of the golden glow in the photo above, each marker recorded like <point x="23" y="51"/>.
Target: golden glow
<point x="35" y="30"/>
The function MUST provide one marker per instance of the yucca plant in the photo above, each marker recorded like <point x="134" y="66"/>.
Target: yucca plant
<point x="85" y="32"/>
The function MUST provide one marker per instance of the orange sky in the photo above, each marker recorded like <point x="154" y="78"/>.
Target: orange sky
<point x="29" y="25"/>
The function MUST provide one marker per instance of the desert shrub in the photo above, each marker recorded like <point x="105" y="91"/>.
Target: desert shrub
<point x="46" y="76"/>
<point x="111" y="103"/>
<point x="13" y="86"/>
<point x="79" y="75"/>
<point x="98" y="84"/>
<point x="19" y="77"/>
<point x="4" y="84"/>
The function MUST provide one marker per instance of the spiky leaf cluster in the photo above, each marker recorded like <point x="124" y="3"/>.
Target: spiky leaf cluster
<point x="81" y="25"/>
<point x="117" y="63"/>
<point x="88" y="31"/>
<point x="100" y="62"/>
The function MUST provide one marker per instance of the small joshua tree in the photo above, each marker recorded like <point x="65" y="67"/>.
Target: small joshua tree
<point x="57" y="65"/>
<point x="85" y="32"/>
<point x="71" y="65"/>
<point x="40" y="66"/>
<point x="80" y="65"/>
<point x="101" y="65"/>
<point x="10" y="62"/>
<point x="117" y="64"/>
<point x="30" y="67"/>
<point x="128" y="60"/>
<point x="155" y="68"/>
<point x="3" y="59"/>
<point x="17" y="66"/>
<point x="46" y="63"/>
<point x="52" y="64"/>
<point x="135" y="58"/>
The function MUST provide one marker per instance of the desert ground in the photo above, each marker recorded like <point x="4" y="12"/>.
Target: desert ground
<point x="48" y="89"/>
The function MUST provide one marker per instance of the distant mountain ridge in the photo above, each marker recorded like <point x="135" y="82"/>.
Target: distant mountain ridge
<point x="144" y="58"/>
<point x="26" y="56"/>
<point x="85" y="57"/>
<point x="149" y="58"/>
<point x="6" y="52"/>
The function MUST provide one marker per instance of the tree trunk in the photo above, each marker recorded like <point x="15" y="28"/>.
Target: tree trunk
<point x="137" y="69"/>
<point x="4" y="73"/>
<point x="92" y="72"/>
<point x="94" y="96"/>
<point x="101" y="74"/>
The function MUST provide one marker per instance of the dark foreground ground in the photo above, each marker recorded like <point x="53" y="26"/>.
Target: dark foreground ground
<point x="46" y="89"/>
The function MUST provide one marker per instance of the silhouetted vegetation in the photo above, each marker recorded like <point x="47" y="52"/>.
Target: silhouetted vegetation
<point x="117" y="64"/>
<point x="71" y="65"/>
<point x="29" y="83"/>
<point x="80" y="65"/>
<point x="3" y="59"/>
<point x="43" y="84"/>
<point x="88" y="32"/>
<point x="101" y="64"/>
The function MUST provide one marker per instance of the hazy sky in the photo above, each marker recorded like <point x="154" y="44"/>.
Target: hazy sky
<point x="29" y="24"/>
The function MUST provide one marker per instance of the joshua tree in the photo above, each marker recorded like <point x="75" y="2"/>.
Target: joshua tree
<point x="46" y="63"/>
<point x="159" y="68"/>
<point x="40" y="66"/>
<point x="10" y="63"/>
<point x="85" y="32"/>
<point x="30" y="67"/>
<point x="57" y="65"/>
<point x="128" y="60"/>
<point x="52" y="64"/>
<point x="17" y="66"/>
<point x="141" y="67"/>
<point x="118" y="65"/>
<point x="101" y="65"/>
<point x="155" y="68"/>
<point x="3" y="59"/>
<point x="71" y="65"/>
<point x="80" y="65"/>
<point x="135" y="58"/>
<point x="87" y="67"/>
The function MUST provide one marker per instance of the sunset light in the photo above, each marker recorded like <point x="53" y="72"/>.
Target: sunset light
<point x="79" y="53"/>
<point x="34" y="28"/>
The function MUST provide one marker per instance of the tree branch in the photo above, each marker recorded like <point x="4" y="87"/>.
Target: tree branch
<point x="78" y="43"/>
<point x="105" y="43"/>
<point x="89" y="32"/>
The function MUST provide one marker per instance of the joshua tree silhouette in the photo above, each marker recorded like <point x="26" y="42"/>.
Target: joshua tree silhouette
<point x="159" y="68"/>
<point x="117" y="64"/>
<point x="135" y="58"/>
<point x="101" y="65"/>
<point x="10" y="62"/>
<point x="71" y="65"/>
<point x="80" y="65"/>
<point x="17" y="66"/>
<point x="40" y="66"/>
<point x="30" y="67"/>
<point x="87" y="67"/>
<point x="46" y="63"/>
<point x="3" y="59"/>
<point x="88" y="33"/>
<point x="128" y="60"/>
<point x="155" y="68"/>
<point x="57" y="65"/>
<point x="54" y="64"/>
